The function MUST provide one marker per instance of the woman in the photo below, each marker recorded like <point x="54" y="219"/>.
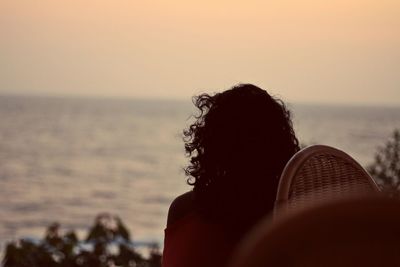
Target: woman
<point x="238" y="147"/>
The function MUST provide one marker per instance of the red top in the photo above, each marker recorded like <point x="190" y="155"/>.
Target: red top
<point x="193" y="242"/>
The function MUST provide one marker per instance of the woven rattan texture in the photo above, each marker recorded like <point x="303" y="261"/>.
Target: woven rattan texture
<point x="324" y="177"/>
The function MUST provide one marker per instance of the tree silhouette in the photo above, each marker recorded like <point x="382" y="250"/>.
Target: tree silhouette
<point x="386" y="168"/>
<point x="65" y="250"/>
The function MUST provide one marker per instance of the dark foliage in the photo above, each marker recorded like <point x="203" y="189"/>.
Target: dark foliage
<point x="386" y="168"/>
<point x="108" y="245"/>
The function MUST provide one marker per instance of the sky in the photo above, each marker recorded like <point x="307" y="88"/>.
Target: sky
<point x="342" y="51"/>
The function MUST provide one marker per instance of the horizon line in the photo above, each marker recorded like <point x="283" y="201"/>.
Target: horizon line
<point x="187" y="98"/>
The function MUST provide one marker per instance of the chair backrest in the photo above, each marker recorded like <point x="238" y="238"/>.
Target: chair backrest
<point x="347" y="232"/>
<point x="319" y="173"/>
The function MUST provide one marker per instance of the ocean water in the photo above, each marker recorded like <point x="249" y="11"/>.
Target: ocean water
<point x="67" y="159"/>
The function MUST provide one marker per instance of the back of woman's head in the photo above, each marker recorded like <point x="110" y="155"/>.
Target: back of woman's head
<point x="239" y="144"/>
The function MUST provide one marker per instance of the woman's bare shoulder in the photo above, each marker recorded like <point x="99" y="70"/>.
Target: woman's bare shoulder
<point x="180" y="207"/>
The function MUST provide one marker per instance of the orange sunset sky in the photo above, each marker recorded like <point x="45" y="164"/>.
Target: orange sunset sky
<point x="305" y="51"/>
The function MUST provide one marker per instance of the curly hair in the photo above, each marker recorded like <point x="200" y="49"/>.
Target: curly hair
<point x="240" y="142"/>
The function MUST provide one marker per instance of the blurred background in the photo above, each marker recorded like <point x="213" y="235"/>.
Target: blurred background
<point x="94" y="95"/>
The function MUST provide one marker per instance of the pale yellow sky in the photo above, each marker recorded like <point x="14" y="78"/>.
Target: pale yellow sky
<point x="305" y="51"/>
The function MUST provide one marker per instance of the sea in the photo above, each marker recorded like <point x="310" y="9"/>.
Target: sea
<point x="68" y="159"/>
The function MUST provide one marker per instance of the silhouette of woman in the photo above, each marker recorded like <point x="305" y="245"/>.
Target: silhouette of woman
<point x="238" y="147"/>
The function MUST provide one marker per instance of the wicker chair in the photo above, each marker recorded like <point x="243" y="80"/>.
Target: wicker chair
<point x="347" y="232"/>
<point x="319" y="173"/>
